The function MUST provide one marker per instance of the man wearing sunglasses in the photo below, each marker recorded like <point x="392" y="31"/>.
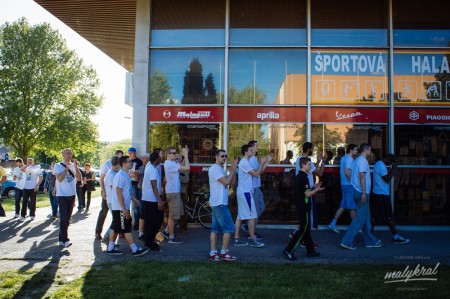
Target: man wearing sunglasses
<point x="173" y="191"/>
<point x="218" y="201"/>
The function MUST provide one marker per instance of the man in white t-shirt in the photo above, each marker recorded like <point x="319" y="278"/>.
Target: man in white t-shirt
<point x="345" y="171"/>
<point x="19" y="177"/>
<point x="173" y="191"/>
<point x="256" y="181"/>
<point x="33" y="178"/>
<point x="109" y="178"/>
<point x="120" y="205"/>
<point x="246" y="204"/>
<point x="67" y="174"/>
<point x="222" y="222"/>
<point x="104" y="209"/>
<point x="361" y="182"/>
<point x="380" y="203"/>
<point x="152" y="203"/>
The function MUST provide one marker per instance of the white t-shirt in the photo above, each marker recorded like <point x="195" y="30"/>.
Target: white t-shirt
<point x="20" y="178"/>
<point x="379" y="185"/>
<point x="121" y="180"/>
<point x="109" y="178"/>
<point x="68" y="185"/>
<point x="360" y="165"/>
<point x="32" y="173"/>
<point x="218" y="191"/>
<point x="106" y="167"/>
<point x="245" y="182"/>
<point x="310" y="175"/>
<point x="151" y="174"/>
<point x="173" y="184"/>
<point x="256" y="181"/>
<point x="346" y="162"/>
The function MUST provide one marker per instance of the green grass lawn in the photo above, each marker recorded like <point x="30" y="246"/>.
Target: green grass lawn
<point x="153" y="279"/>
<point x="42" y="200"/>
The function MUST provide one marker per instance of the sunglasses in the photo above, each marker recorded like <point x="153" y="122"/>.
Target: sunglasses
<point x="172" y="153"/>
<point x="223" y="156"/>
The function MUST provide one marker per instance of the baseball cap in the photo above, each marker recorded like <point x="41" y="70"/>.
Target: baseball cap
<point x="132" y="149"/>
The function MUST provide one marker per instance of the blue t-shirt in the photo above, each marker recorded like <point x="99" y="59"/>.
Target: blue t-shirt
<point x="360" y="165"/>
<point x="346" y="162"/>
<point x="379" y="185"/>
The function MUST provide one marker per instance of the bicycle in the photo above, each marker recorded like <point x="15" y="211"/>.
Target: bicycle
<point x="201" y="211"/>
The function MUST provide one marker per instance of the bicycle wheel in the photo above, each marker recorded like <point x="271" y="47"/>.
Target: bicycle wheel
<point x="204" y="215"/>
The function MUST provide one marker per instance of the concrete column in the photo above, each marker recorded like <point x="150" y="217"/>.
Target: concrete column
<point x="140" y="77"/>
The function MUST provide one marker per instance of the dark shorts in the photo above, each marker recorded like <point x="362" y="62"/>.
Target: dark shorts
<point x="381" y="208"/>
<point x="121" y="225"/>
<point x="145" y="210"/>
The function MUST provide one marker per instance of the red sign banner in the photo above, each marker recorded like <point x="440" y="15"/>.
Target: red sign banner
<point x="349" y="115"/>
<point x="422" y="115"/>
<point x="267" y="114"/>
<point x="185" y="114"/>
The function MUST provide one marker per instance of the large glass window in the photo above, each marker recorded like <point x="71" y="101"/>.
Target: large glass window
<point x="268" y="23"/>
<point x="332" y="138"/>
<point x="349" y="23"/>
<point x="422" y="145"/>
<point x="202" y="139"/>
<point x="275" y="138"/>
<point x="421" y="196"/>
<point x="421" y="77"/>
<point x="349" y="77"/>
<point x="188" y="23"/>
<point x="419" y="23"/>
<point x="267" y="77"/>
<point x="186" y="76"/>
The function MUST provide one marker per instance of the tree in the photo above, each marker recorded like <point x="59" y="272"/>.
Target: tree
<point x="47" y="94"/>
<point x="160" y="90"/>
<point x="211" y="93"/>
<point x="193" y="89"/>
<point x="247" y="95"/>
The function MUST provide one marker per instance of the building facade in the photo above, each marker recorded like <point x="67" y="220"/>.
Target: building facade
<point x="217" y="73"/>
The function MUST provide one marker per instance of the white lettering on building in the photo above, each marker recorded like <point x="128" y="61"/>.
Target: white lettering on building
<point x="350" y="63"/>
<point x="268" y="115"/>
<point x="437" y="117"/>
<point x="427" y="64"/>
<point x="205" y="169"/>
<point x="349" y="115"/>
<point x="194" y="115"/>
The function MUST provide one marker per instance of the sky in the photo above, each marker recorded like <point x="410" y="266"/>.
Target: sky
<point x="114" y="117"/>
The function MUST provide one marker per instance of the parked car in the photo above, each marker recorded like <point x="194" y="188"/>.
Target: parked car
<point x="9" y="187"/>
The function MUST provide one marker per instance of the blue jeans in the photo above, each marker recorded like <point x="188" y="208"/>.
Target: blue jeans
<point x="53" y="203"/>
<point x="222" y="222"/>
<point x="361" y="221"/>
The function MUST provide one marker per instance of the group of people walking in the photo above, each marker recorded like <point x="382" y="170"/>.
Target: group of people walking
<point x="141" y="190"/>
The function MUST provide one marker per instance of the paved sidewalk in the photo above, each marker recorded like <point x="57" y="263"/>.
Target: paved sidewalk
<point x="33" y="244"/>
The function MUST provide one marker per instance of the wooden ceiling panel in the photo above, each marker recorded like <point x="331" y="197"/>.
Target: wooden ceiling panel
<point x="107" y="24"/>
